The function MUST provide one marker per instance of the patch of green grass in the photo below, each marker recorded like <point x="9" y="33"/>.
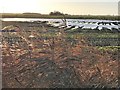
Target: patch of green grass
<point x="109" y="48"/>
<point x="95" y="35"/>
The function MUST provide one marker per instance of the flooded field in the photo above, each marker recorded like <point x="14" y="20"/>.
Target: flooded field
<point x="96" y="24"/>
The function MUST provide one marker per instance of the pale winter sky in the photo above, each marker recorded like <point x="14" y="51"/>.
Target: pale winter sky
<point x="81" y="7"/>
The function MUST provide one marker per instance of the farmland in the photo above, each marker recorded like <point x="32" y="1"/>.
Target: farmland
<point x="42" y="54"/>
<point x="38" y="15"/>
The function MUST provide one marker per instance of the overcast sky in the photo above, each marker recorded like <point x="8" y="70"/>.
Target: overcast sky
<point x="81" y="7"/>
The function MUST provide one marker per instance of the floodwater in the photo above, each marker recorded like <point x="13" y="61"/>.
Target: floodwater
<point x="82" y="23"/>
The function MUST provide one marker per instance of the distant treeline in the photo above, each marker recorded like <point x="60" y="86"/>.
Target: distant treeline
<point x="57" y="16"/>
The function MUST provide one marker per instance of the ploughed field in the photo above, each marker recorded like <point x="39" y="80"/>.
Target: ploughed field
<point x="43" y="54"/>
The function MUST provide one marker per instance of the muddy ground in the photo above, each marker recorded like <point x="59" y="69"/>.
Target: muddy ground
<point x="64" y="66"/>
